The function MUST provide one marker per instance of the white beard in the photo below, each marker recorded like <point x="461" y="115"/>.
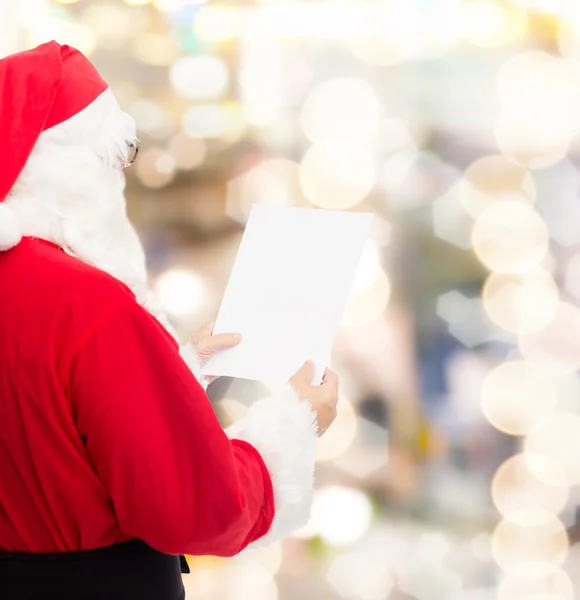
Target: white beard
<point x="71" y="193"/>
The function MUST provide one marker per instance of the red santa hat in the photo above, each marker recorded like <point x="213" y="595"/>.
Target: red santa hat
<point x="39" y="89"/>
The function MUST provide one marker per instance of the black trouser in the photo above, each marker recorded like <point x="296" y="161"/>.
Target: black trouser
<point x="129" y="571"/>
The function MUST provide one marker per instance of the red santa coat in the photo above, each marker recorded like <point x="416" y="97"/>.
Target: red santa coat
<point x="106" y="436"/>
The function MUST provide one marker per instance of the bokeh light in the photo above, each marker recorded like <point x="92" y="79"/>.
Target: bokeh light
<point x="555" y="349"/>
<point x="521" y="497"/>
<point x="536" y="582"/>
<point x="515" y="397"/>
<point x="250" y="581"/>
<point x="155" y="49"/>
<point x="181" y="292"/>
<point x="274" y="181"/>
<point x="337" y="175"/>
<point x="492" y="22"/>
<point x="223" y="121"/>
<point x="155" y="168"/>
<point x="515" y="547"/>
<point x="541" y="97"/>
<point x="341" y="515"/>
<point x="510" y="237"/>
<point x="492" y="179"/>
<point x="534" y="144"/>
<point x="541" y="87"/>
<point x="557" y="438"/>
<point x="342" y="110"/>
<point x="521" y="303"/>
<point x="199" y="77"/>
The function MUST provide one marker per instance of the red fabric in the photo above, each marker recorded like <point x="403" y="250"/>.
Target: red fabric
<point x="105" y="435"/>
<point x="39" y="89"/>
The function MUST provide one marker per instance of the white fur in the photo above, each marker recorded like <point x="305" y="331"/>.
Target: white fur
<point x="284" y="431"/>
<point x="71" y="193"/>
<point x="10" y="233"/>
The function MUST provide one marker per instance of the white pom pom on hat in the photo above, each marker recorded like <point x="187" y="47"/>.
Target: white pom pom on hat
<point x="10" y="232"/>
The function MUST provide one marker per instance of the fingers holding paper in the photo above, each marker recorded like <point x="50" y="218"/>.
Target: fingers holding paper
<point x="323" y="398"/>
<point x="205" y="343"/>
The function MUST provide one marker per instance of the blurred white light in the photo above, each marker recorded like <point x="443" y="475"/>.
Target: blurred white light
<point x="212" y="121"/>
<point x="337" y="176"/>
<point x="510" y="237"/>
<point x="155" y="49"/>
<point x="218" y="22"/>
<point x="532" y="142"/>
<point x="273" y="181"/>
<point x="356" y="575"/>
<point x="341" y="515"/>
<point x="543" y="87"/>
<point x="536" y="582"/>
<point x="345" y="110"/>
<point x="555" y="349"/>
<point x="181" y="292"/>
<point x="199" y="77"/>
<point x="494" y="178"/>
<point x="492" y="23"/>
<point x="253" y="581"/>
<point x="155" y="168"/>
<point x="521" y="303"/>
<point x="522" y="497"/>
<point x="558" y="439"/>
<point x="262" y="80"/>
<point x="515" y="397"/>
<point x="172" y="5"/>
<point x="149" y="116"/>
<point x="269" y="557"/>
<point x="515" y="547"/>
<point x="395" y="136"/>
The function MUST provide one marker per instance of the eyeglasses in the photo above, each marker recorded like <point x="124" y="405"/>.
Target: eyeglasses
<point x="133" y="146"/>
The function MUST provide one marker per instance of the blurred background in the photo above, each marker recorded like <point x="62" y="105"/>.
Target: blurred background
<point x="452" y="470"/>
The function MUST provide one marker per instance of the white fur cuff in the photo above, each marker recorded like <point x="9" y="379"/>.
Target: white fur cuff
<point x="10" y="232"/>
<point x="283" y="430"/>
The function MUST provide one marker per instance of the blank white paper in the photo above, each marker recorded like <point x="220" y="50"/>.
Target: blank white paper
<point x="287" y="291"/>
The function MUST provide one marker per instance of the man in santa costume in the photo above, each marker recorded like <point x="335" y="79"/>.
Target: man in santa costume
<point x="112" y="462"/>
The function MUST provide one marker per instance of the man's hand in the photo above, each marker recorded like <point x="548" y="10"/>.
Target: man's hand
<point x="205" y="343"/>
<point x="324" y="397"/>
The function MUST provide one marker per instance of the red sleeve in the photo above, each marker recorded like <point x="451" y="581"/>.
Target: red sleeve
<point x="175" y="479"/>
